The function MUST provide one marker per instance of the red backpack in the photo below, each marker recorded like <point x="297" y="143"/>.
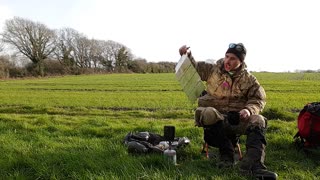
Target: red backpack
<point x="309" y="126"/>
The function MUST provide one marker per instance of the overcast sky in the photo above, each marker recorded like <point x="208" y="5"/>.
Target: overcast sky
<point x="280" y="35"/>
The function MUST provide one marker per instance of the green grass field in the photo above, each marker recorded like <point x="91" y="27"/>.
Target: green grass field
<point x="72" y="127"/>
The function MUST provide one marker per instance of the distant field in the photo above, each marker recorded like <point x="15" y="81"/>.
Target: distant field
<point x="71" y="127"/>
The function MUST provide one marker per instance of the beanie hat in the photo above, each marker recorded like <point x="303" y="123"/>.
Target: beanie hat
<point x="237" y="49"/>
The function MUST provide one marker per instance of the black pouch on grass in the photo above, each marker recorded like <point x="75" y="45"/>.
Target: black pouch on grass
<point x="151" y="138"/>
<point x="143" y="142"/>
<point x="147" y="142"/>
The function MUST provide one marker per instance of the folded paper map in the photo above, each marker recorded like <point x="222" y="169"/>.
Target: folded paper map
<point x="189" y="79"/>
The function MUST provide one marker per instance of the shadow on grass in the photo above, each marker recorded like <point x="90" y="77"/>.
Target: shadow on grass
<point x="290" y="162"/>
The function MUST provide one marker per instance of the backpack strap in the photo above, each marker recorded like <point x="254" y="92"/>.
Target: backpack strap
<point x="297" y="135"/>
<point x="299" y="141"/>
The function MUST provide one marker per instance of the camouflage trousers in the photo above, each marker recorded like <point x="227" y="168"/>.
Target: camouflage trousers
<point x="207" y="116"/>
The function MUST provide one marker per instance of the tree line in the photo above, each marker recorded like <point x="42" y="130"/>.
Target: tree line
<point x="30" y="48"/>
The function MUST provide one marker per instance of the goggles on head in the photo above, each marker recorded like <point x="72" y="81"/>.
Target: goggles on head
<point x="239" y="47"/>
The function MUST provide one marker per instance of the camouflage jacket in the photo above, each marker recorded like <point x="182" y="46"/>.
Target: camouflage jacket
<point x="230" y="93"/>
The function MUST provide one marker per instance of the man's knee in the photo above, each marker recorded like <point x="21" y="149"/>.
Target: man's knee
<point x="214" y="135"/>
<point x="206" y="116"/>
<point x="257" y="121"/>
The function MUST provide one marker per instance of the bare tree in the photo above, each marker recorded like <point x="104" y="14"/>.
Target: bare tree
<point x="75" y="50"/>
<point x="100" y="55"/>
<point x="109" y="51"/>
<point x="34" y="40"/>
<point x="118" y="56"/>
<point x="64" y="51"/>
<point x="1" y="46"/>
<point x="81" y="46"/>
<point x="122" y="60"/>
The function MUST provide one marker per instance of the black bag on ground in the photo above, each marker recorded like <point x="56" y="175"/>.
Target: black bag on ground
<point x="147" y="142"/>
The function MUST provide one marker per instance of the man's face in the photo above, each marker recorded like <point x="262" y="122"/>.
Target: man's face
<point x="231" y="62"/>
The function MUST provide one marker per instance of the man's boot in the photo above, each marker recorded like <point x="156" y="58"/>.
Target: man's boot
<point x="253" y="162"/>
<point x="226" y="152"/>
